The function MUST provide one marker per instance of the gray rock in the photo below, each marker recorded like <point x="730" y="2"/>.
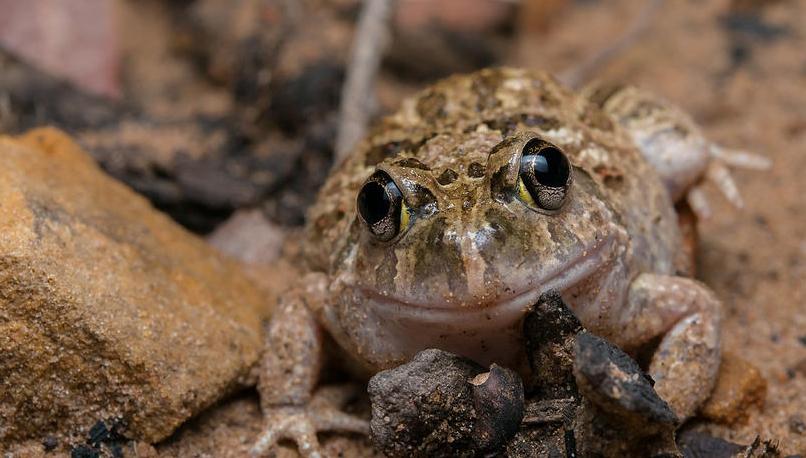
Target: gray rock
<point x="440" y="404"/>
<point x="616" y="384"/>
<point x="621" y="415"/>
<point x="549" y="330"/>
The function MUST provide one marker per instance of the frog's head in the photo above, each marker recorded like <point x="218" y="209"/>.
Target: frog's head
<point x="472" y="230"/>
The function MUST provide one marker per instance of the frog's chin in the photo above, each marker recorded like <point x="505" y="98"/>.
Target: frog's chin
<point x="502" y="309"/>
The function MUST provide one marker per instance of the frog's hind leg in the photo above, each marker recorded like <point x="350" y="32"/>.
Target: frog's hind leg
<point x="289" y="372"/>
<point x="686" y="315"/>
<point x="673" y="144"/>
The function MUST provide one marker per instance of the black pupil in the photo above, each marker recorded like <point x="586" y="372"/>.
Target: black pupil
<point x="373" y="202"/>
<point x="551" y="167"/>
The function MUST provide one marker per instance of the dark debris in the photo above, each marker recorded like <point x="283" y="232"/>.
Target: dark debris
<point x="105" y="438"/>
<point x="440" y="404"/>
<point x="50" y="443"/>
<point x="224" y="163"/>
<point x="549" y="331"/>
<point x="746" y="30"/>
<point x="498" y="402"/>
<point x="697" y="444"/>
<point x="589" y="398"/>
<point x="84" y="451"/>
<point x="586" y="397"/>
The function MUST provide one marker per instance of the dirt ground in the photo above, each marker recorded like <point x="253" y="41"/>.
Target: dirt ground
<point x="738" y="66"/>
<point x="743" y="78"/>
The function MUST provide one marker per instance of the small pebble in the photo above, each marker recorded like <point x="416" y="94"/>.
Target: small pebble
<point x="498" y="400"/>
<point x="440" y="404"/>
<point x="797" y="425"/>
<point x="50" y="443"/>
<point x="84" y="451"/>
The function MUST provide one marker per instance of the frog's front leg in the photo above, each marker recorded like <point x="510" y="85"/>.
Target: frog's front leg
<point x="687" y="315"/>
<point x="288" y="376"/>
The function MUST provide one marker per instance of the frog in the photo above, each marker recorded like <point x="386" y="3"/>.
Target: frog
<point x="481" y="193"/>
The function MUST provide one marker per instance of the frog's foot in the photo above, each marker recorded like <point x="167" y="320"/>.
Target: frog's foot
<point x="301" y="423"/>
<point x="288" y="374"/>
<point x="687" y="315"/>
<point x="718" y="173"/>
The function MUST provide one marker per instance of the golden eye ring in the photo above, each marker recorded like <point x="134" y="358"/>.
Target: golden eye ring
<point x="544" y="177"/>
<point x="382" y="208"/>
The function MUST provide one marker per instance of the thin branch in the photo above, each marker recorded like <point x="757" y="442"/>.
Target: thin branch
<point x="371" y="37"/>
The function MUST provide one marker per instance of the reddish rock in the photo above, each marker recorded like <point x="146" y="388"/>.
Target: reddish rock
<point x="739" y="386"/>
<point x="108" y="309"/>
<point x="249" y="237"/>
<point x="76" y="41"/>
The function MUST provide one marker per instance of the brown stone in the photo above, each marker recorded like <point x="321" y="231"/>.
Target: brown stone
<point x="739" y="386"/>
<point x="108" y="309"/>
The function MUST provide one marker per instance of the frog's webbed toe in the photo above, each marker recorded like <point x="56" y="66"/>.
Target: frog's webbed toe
<point x="718" y="173"/>
<point x="739" y="158"/>
<point x="300" y="424"/>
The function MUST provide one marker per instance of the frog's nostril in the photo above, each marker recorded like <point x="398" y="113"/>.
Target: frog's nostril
<point x="447" y="177"/>
<point x="476" y="170"/>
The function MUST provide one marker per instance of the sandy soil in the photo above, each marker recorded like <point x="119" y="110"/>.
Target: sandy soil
<point x="739" y="67"/>
<point x="745" y="83"/>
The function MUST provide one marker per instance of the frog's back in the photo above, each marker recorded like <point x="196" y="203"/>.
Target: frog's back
<point x="431" y="130"/>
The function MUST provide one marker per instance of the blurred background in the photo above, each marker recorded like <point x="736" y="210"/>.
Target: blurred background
<point x="213" y="107"/>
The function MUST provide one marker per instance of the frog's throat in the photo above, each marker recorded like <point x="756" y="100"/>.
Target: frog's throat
<point x="503" y="308"/>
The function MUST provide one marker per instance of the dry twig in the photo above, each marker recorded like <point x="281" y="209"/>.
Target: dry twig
<point x="371" y="38"/>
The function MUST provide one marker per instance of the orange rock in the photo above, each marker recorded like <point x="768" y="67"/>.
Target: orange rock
<point x="739" y="386"/>
<point x="108" y="309"/>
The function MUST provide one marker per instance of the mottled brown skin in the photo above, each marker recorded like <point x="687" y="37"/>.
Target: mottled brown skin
<point x="474" y="256"/>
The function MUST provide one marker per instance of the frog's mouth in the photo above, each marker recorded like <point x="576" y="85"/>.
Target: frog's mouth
<point x="504" y="307"/>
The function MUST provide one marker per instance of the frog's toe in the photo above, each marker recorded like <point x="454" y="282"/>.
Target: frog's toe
<point x="739" y="158"/>
<point x="300" y="424"/>
<point x="718" y="173"/>
<point x="698" y="201"/>
<point x="288" y="423"/>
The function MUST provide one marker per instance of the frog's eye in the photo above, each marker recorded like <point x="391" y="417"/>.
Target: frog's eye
<point x="544" y="177"/>
<point x="382" y="208"/>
